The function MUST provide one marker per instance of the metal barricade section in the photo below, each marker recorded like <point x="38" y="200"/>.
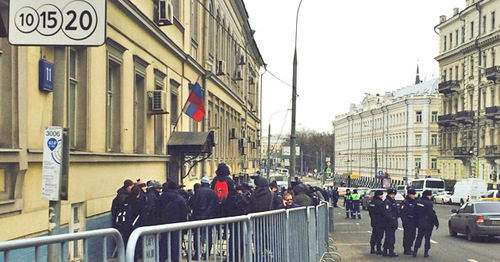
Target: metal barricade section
<point x="38" y="243"/>
<point x="298" y="234"/>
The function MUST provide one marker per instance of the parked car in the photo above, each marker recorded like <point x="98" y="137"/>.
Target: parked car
<point x="442" y="198"/>
<point x="491" y="195"/>
<point x="476" y="219"/>
<point x="365" y="201"/>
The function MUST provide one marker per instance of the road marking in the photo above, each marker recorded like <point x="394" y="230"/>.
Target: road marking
<point x="433" y="242"/>
<point x="471" y="260"/>
<point x="400" y="229"/>
<point x="357" y="224"/>
<point x="370" y="232"/>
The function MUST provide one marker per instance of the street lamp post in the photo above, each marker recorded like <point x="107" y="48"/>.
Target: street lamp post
<point x="294" y="103"/>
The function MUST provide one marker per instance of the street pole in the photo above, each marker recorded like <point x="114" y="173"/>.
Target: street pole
<point x="268" y="151"/>
<point x="294" y="103"/>
<point x="376" y="162"/>
<point x="301" y="163"/>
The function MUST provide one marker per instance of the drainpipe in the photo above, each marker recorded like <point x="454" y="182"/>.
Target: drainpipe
<point x="478" y="8"/>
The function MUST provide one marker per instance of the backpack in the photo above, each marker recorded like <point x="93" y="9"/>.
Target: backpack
<point x="221" y="189"/>
<point x="124" y="220"/>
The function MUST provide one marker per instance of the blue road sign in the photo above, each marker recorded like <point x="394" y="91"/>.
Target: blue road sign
<point x="380" y="172"/>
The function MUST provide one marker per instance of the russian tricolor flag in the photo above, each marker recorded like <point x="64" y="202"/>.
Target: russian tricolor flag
<point x="194" y="107"/>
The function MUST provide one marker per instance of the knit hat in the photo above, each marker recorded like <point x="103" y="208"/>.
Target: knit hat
<point x="427" y="193"/>
<point x="411" y="191"/>
<point x="205" y="180"/>
<point x="222" y="170"/>
<point x="379" y="193"/>
<point x="171" y="185"/>
<point x="154" y="184"/>
<point x="127" y="183"/>
<point x="355" y="191"/>
<point x="273" y="184"/>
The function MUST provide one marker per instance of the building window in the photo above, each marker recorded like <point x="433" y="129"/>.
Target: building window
<point x="484" y="24"/>
<point x="456" y="72"/>
<point x="451" y="41"/>
<point x="444" y="44"/>
<point x="211" y="28"/>
<point x="418" y="140"/>
<point x="418" y="118"/>
<point x="177" y="9"/>
<point x="471" y="30"/>
<point x="418" y="163"/>
<point x="8" y="117"/>
<point x="471" y="73"/>
<point x="434" y="139"/>
<point x="139" y="104"/>
<point x="159" y="120"/>
<point x="194" y="20"/>
<point x="493" y="20"/>
<point x="113" y="103"/>
<point x="463" y="34"/>
<point x="174" y="102"/>
<point x="456" y="37"/>
<point x="77" y="224"/>
<point x="434" y="163"/>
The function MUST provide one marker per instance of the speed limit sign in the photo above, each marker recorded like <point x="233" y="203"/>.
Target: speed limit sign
<point x="62" y="22"/>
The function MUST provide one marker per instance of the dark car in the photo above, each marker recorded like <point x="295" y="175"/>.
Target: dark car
<point x="476" y="219"/>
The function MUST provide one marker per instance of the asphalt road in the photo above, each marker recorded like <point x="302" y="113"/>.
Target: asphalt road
<point x="352" y="239"/>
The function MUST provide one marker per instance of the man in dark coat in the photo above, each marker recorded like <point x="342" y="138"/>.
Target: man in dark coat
<point x="301" y="196"/>
<point x="152" y="208"/>
<point x="121" y="194"/>
<point x="335" y="197"/>
<point x="376" y="211"/>
<point x="407" y="211"/>
<point x="262" y="198"/>
<point x="347" y="202"/>
<point x="426" y="220"/>
<point x="288" y="201"/>
<point x="391" y="215"/>
<point x="174" y="210"/>
<point x="204" y="205"/>
<point x="136" y="209"/>
<point x="222" y="173"/>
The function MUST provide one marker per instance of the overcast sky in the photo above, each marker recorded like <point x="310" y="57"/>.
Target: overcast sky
<point x="344" y="50"/>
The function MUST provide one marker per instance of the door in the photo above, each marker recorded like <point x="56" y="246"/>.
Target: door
<point x="77" y="224"/>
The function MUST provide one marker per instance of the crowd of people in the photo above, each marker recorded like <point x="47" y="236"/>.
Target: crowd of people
<point x="152" y="203"/>
<point x="414" y="213"/>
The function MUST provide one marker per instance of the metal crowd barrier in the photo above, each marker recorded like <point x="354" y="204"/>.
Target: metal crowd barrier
<point x="298" y="234"/>
<point x="8" y="247"/>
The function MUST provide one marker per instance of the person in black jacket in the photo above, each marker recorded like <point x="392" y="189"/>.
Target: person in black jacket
<point x="152" y="208"/>
<point x="426" y="220"/>
<point x="301" y="196"/>
<point x="262" y="198"/>
<point x="121" y="194"/>
<point x="407" y="211"/>
<point x="204" y="204"/>
<point x="136" y="210"/>
<point x="376" y="211"/>
<point x="174" y="210"/>
<point x="222" y="173"/>
<point x="391" y="223"/>
<point x="335" y="196"/>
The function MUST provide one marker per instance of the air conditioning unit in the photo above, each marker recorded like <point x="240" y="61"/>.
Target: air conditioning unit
<point x="238" y="76"/>
<point x="165" y="12"/>
<point x="242" y="60"/>
<point x="157" y="101"/>
<point x="221" y="67"/>
<point x="232" y="133"/>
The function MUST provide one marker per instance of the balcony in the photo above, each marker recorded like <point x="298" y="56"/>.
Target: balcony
<point x="493" y="112"/>
<point x="465" y="117"/>
<point x="462" y="151"/>
<point x="493" y="73"/>
<point x="492" y="151"/>
<point x="446" y="120"/>
<point x="448" y="87"/>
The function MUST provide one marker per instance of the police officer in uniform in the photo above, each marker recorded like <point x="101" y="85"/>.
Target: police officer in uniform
<point x="355" y="204"/>
<point x="426" y="220"/>
<point x="376" y="211"/>
<point x="347" y="202"/>
<point x="391" y="214"/>
<point x="407" y="211"/>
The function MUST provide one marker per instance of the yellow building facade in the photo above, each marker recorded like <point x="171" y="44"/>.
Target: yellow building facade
<point x="104" y="96"/>
<point x="469" y="54"/>
<point x="399" y="127"/>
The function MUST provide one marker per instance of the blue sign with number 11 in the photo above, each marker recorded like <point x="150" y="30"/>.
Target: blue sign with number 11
<point x="45" y="76"/>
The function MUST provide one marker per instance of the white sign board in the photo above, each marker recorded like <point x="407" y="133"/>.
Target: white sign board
<point x="52" y="158"/>
<point x="149" y="248"/>
<point x="60" y="22"/>
<point x="285" y="151"/>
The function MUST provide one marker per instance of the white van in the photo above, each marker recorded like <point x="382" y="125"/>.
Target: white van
<point x="471" y="188"/>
